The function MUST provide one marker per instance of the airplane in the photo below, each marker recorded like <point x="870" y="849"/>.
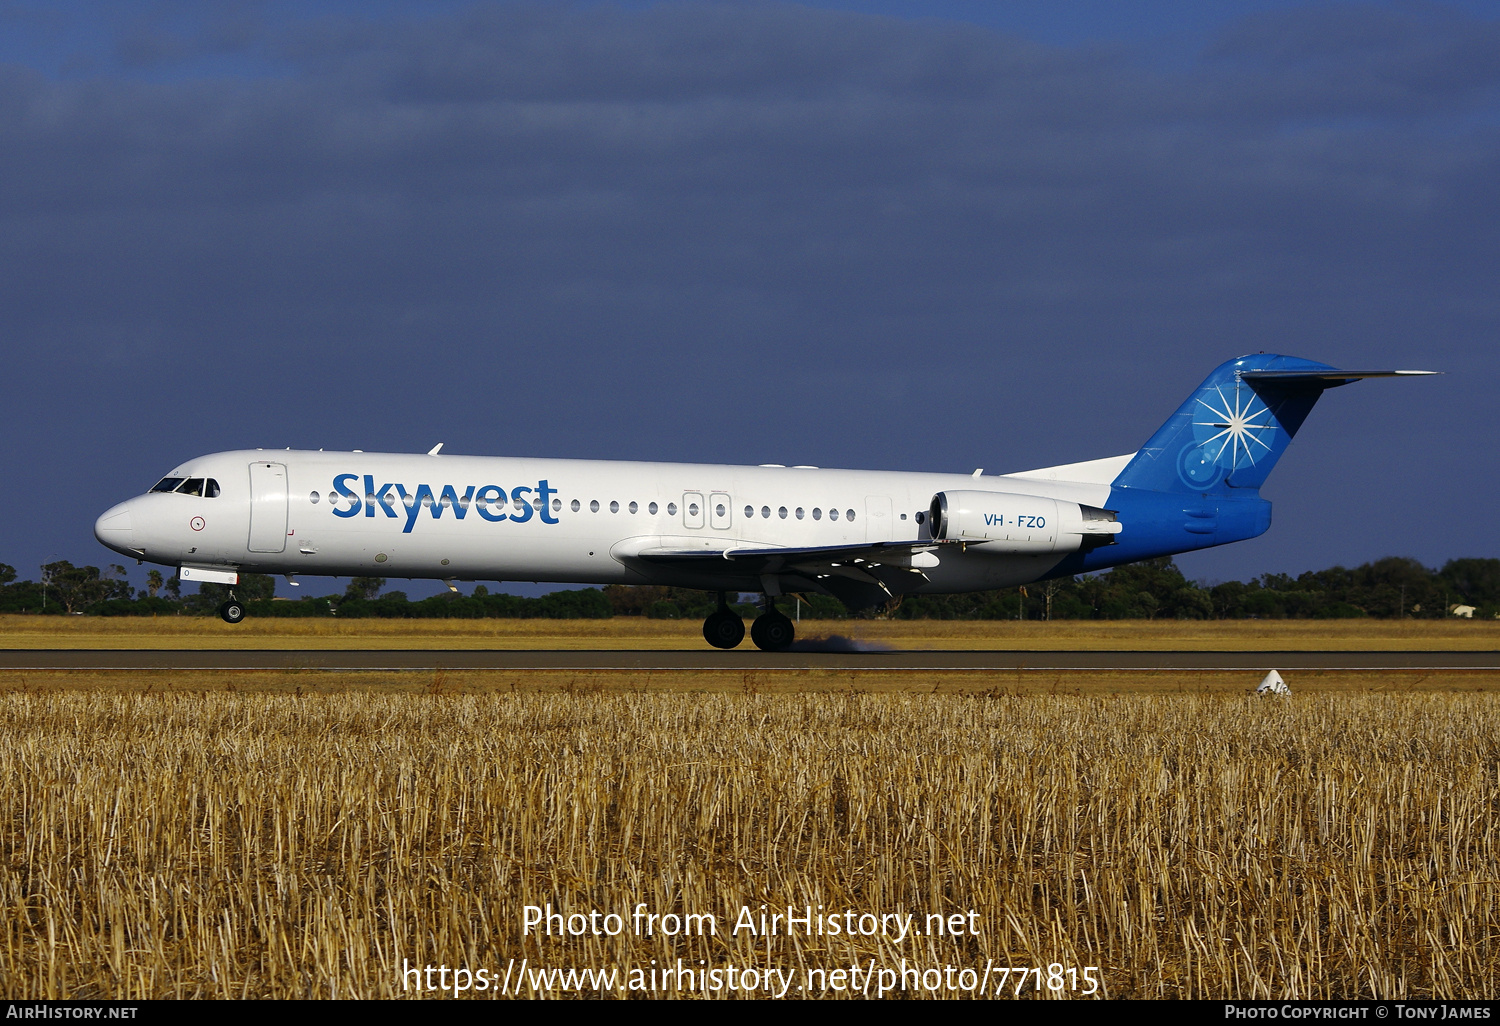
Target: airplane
<point x="864" y="537"/>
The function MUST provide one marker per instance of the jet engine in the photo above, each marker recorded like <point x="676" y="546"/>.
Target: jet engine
<point x="1023" y="524"/>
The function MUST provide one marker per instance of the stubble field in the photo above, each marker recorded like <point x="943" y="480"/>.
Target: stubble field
<point x="231" y="845"/>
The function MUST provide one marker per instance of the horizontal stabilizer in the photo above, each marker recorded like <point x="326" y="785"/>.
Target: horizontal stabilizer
<point x="1330" y="378"/>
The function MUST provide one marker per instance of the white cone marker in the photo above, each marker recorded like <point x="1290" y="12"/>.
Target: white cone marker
<point x="1273" y="685"/>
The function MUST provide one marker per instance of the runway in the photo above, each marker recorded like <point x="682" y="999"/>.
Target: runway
<point x="737" y="659"/>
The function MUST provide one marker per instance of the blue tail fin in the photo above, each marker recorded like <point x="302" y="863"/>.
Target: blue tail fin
<point x="1231" y="431"/>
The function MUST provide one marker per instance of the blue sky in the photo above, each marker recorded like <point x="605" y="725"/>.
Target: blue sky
<point x="885" y="235"/>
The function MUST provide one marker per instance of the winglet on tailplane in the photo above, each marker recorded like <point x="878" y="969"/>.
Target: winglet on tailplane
<point x="1230" y="432"/>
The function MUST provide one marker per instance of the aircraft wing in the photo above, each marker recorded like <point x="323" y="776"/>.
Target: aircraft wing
<point x="859" y="575"/>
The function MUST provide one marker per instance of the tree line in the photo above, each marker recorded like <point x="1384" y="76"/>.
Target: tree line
<point x="1152" y="589"/>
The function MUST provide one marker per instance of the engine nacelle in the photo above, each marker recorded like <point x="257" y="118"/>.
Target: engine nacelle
<point x="1025" y="524"/>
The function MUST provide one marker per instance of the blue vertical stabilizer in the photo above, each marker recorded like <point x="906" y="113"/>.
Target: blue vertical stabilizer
<point x="1196" y="482"/>
<point x="1226" y="437"/>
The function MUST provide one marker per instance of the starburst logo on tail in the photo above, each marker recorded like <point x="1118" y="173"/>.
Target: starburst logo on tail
<point x="1237" y="430"/>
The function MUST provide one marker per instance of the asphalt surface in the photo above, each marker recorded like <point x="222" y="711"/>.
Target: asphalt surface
<point x="737" y="659"/>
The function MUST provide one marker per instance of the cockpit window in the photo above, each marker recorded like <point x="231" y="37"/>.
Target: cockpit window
<point x="206" y="487"/>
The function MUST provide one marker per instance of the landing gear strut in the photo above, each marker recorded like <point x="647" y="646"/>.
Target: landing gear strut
<point x="724" y="628"/>
<point x="772" y="631"/>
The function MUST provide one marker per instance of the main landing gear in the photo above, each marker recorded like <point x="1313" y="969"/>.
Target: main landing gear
<point x="723" y="628"/>
<point x="232" y="611"/>
<point x="771" y="632"/>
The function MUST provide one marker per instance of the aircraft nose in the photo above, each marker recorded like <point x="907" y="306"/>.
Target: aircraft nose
<point x="115" y="529"/>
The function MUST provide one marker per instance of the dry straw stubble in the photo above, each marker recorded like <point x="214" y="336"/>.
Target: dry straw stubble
<point x="232" y="845"/>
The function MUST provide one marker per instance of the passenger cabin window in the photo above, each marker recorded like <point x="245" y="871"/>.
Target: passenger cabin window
<point x="575" y="505"/>
<point x="167" y="484"/>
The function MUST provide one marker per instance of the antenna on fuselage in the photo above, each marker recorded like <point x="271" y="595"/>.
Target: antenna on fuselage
<point x="434" y="450"/>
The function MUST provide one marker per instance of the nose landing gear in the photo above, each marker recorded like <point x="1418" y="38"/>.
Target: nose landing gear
<point x="723" y="628"/>
<point x="232" y="611"/>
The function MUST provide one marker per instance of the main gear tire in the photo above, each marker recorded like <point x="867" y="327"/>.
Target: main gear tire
<point x="723" y="629"/>
<point x="773" y="632"/>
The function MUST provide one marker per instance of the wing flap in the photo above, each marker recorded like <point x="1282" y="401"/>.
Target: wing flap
<point x="767" y="559"/>
<point x="859" y="575"/>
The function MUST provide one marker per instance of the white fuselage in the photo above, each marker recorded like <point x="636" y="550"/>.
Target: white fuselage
<point x="552" y="520"/>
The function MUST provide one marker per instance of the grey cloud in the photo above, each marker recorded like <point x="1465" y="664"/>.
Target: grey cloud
<point x="1365" y="60"/>
<point x="724" y="215"/>
<point x="665" y="53"/>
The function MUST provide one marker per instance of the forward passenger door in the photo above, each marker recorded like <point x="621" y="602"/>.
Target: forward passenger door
<point x="268" y="508"/>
